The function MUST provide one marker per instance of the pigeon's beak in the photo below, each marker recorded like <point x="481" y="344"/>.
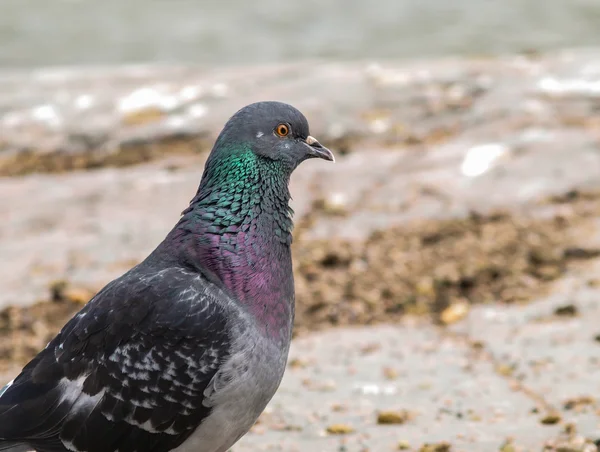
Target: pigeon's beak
<point x="318" y="150"/>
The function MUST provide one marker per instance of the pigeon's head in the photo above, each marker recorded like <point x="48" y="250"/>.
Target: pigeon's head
<point x="273" y="130"/>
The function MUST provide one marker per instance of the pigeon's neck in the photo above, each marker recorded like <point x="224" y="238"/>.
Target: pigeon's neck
<point x="237" y="231"/>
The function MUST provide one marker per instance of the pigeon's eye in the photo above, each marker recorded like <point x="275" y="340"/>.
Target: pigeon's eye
<point x="282" y="130"/>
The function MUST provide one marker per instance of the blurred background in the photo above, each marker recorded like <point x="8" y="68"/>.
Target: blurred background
<point x="77" y="32"/>
<point x="447" y="266"/>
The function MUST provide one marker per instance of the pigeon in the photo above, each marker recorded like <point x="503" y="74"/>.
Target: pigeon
<point x="184" y="351"/>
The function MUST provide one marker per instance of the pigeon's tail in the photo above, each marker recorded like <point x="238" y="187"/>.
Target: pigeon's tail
<point x="32" y="412"/>
<point x="9" y="445"/>
<point x="3" y="390"/>
<point x="13" y="447"/>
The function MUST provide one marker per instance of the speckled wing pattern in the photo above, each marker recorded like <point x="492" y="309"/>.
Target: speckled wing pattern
<point x="128" y="373"/>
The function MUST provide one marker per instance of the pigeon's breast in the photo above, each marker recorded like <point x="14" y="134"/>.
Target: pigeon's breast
<point x="240" y="391"/>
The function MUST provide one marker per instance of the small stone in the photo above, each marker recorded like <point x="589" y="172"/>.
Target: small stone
<point x="78" y="295"/>
<point x="507" y="446"/>
<point x="454" y="313"/>
<point x="339" y="429"/>
<point x="334" y="205"/>
<point x="298" y="363"/>
<point x="403" y="445"/>
<point x="370" y="348"/>
<point x="60" y="291"/>
<point x="478" y="345"/>
<point x="568" y="310"/>
<point x="551" y="419"/>
<point x="338" y="407"/>
<point x="578" y="403"/>
<point x="425" y="287"/>
<point x="570" y="429"/>
<point x="393" y="417"/>
<point x="57" y="290"/>
<point x="319" y="385"/>
<point x="438" y="447"/>
<point x="287" y="428"/>
<point x="390" y="373"/>
<point x="504" y="370"/>
<point x="594" y="282"/>
<point x="144" y="116"/>
<point x="544" y="256"/>
<point x="474" y="417"/>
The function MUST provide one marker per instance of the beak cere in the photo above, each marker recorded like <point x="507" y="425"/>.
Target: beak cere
<point x="318" y="150"/>
<point x="311" y="140"/>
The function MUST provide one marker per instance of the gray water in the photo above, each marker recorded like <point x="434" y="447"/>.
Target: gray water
<point x="220" y="32"/>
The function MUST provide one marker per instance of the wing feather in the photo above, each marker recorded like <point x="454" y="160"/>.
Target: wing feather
<point x="128" y="372"/>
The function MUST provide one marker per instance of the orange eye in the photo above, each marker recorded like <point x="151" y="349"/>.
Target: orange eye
<point x="282" y="130"/>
